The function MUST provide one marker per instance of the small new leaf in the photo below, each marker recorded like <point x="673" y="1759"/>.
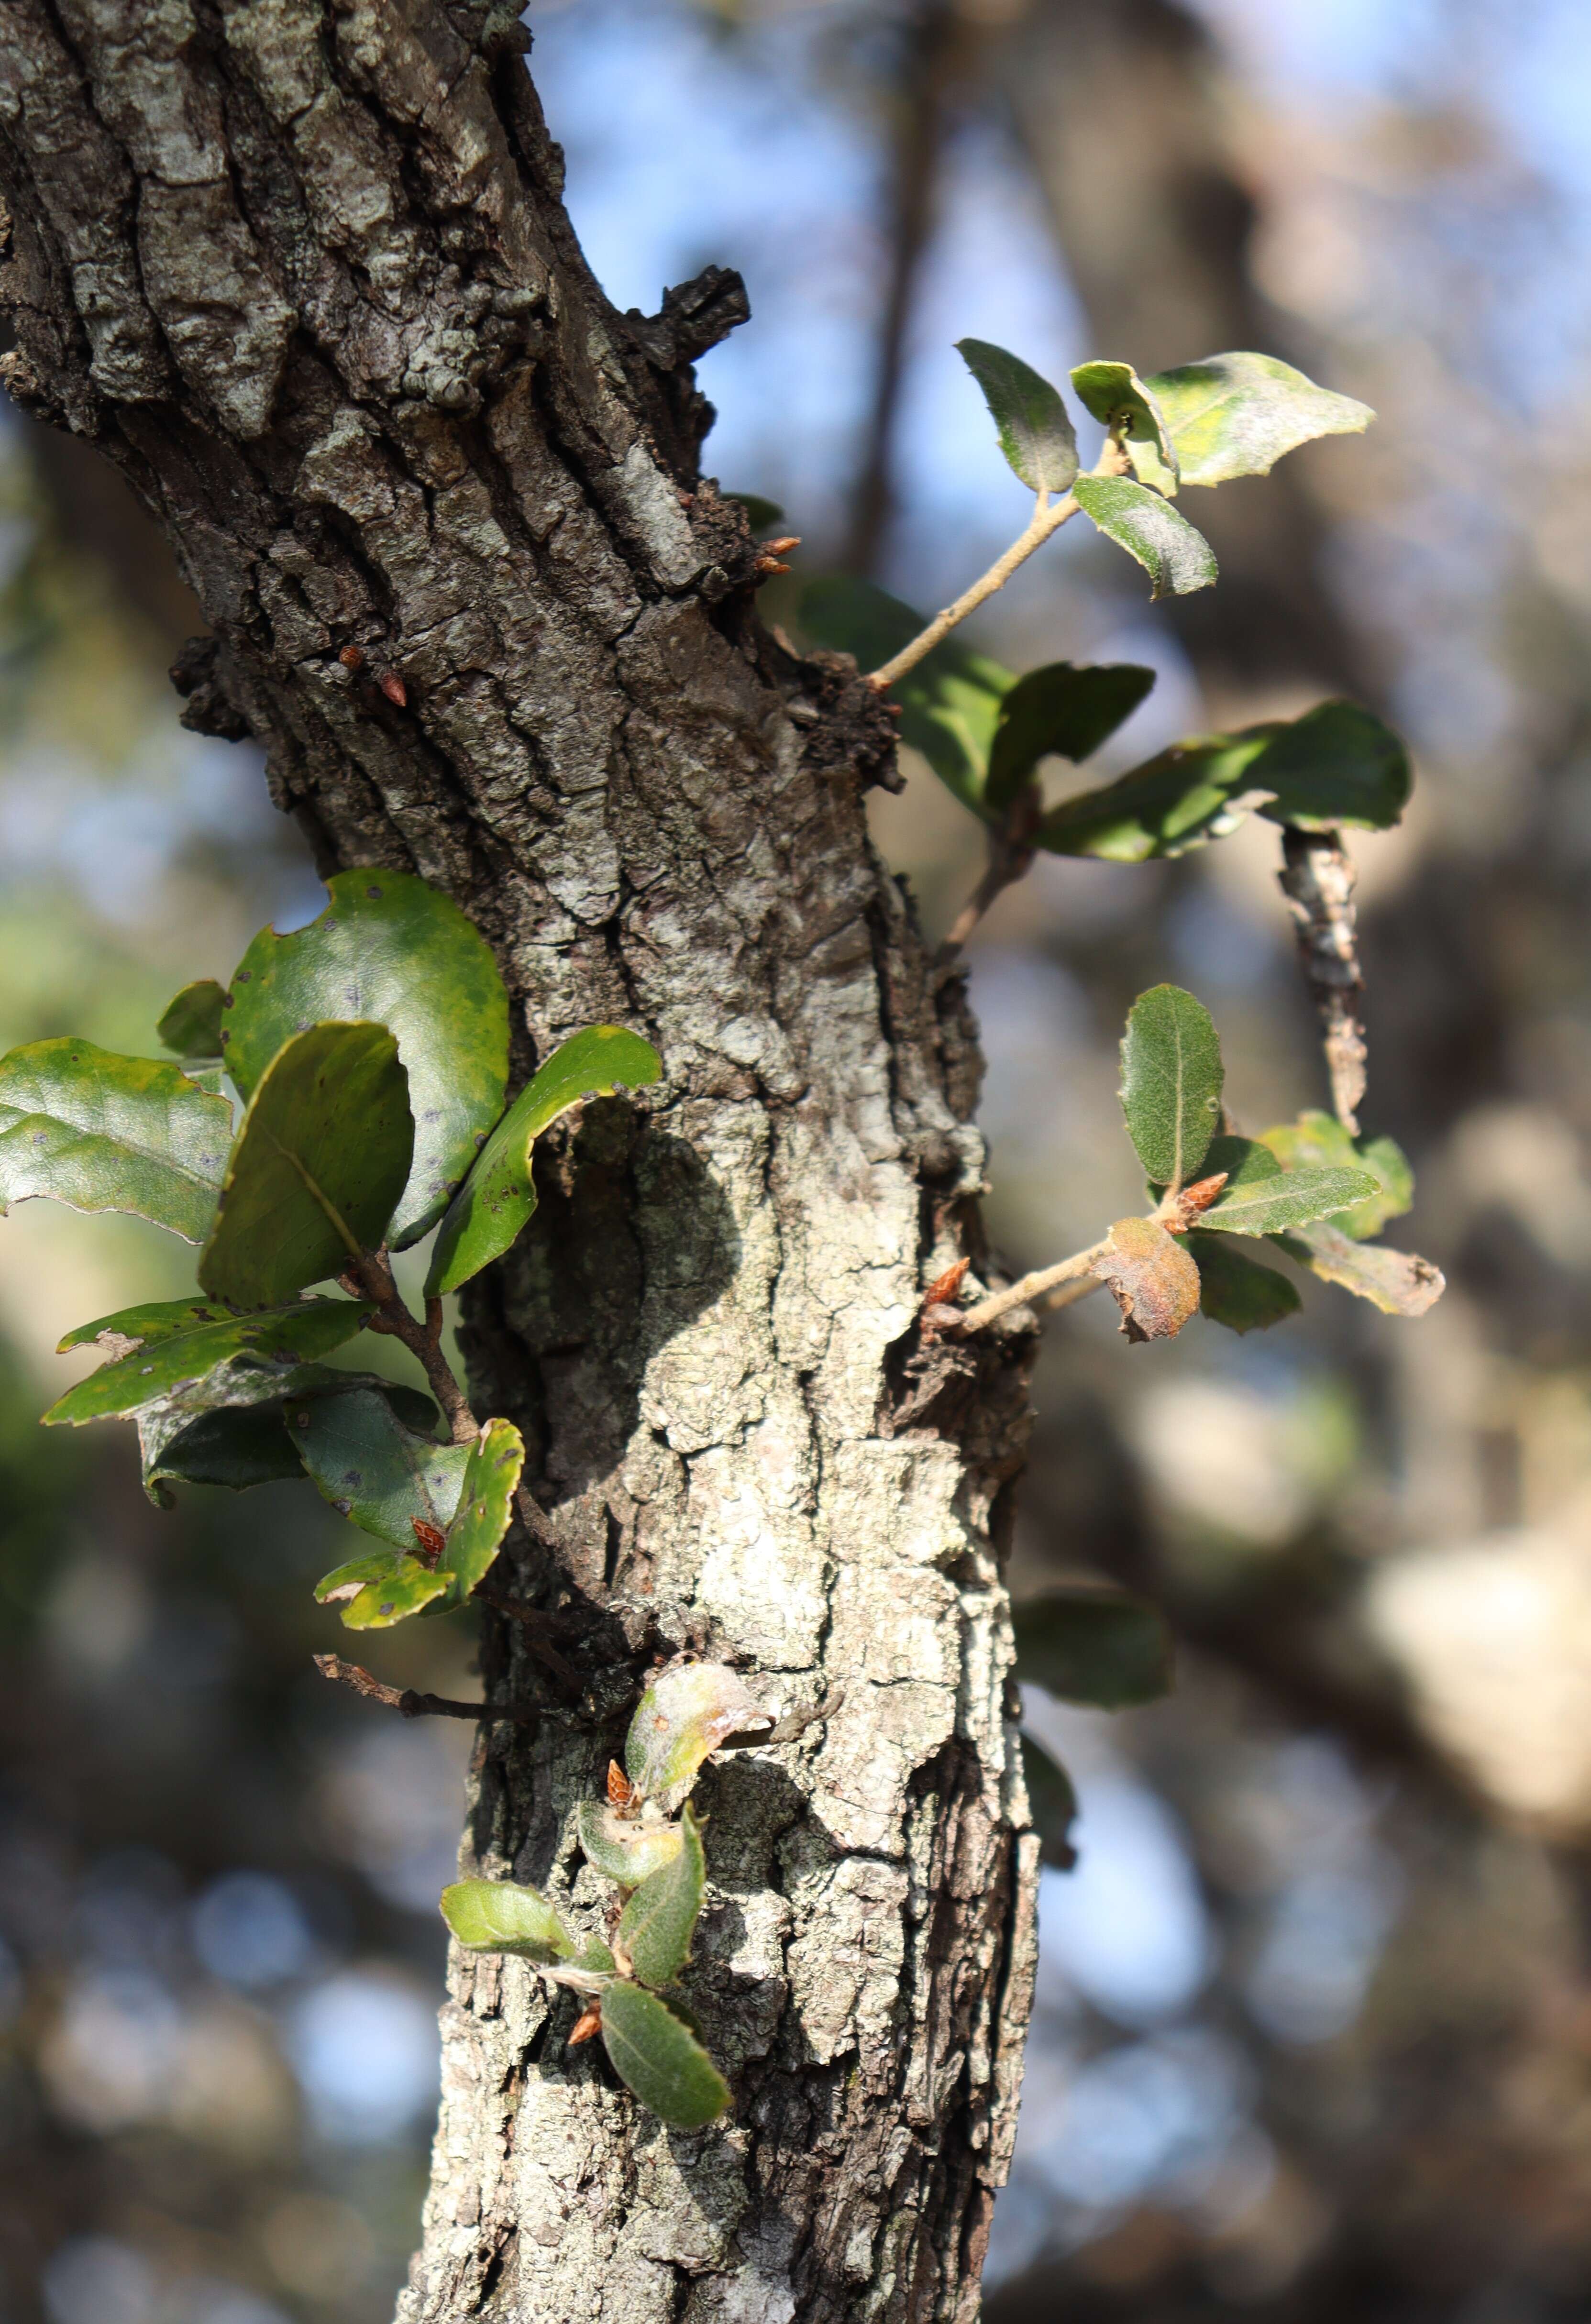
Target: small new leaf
<point x="390" y="951"/>
<point x="372" y="1469"/>
<point x="1114" y="393"/>
<point x="624" y="1849"/>
<point x="684" y="1714"/>
<point x="266" y="1345"/>
<point x="1238" y="1291"/>
<point x="1035" y="433"/>
<point x="656" y="1926"/>
<point x="1051" y="1803"/>
<point x="102" y="1132"/>
<point x="1058" y="712"/>
<point x="1176" y="559"/>
<point x="372" y="1593"/>
<point x="1234" y="415"/>
<point x="1292" y="1198"/>
<point x="1150" y="1277"/>
<point x="657" y="2056"/>
<point x="191" y="1025"/>
<point x="498" y="1198"/>
<point x="319" y="1162"/>
<point x="1172" y="1082"/>
<point x="486" y="1508"/>
<point x="1093" y="1645"/>
<point x="1318" y="1139"/>
<point x="1396" y="1281"/>
<point x="505" y="1916"/>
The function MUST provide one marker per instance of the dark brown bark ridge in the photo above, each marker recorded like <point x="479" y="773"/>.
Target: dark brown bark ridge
<point x="303" y="272"/>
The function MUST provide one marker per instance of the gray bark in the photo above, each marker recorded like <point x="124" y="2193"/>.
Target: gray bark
<point x="302" y="271"/>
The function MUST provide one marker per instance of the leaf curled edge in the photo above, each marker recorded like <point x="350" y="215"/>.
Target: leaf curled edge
<point x="1150" y="1277"/>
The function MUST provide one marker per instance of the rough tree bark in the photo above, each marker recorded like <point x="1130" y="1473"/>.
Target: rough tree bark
<point x="299" y="268"/>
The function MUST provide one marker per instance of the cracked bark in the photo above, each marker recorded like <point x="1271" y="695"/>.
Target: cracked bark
<point x="301" y="270"/>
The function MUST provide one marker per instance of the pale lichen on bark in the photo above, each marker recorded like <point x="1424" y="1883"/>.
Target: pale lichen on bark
<point x="302" y="271"/>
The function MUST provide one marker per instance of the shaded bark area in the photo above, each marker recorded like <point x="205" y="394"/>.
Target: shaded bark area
<point x="302" y="271"/>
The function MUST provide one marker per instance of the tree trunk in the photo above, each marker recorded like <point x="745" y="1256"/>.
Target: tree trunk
<point x="302" y="271"/>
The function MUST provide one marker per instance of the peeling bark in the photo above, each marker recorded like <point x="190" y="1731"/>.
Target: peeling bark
<point x="302" y="271"/>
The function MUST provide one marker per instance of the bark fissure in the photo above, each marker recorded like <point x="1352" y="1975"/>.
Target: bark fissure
<point x="299" y="268"/>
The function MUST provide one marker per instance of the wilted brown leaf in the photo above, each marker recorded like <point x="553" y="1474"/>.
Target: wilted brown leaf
<point x="1150" y="1277"/>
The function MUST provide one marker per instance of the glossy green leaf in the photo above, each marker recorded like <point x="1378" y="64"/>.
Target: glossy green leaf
<point x="102" y="1132"/>
<point x="1114" y="393"/>
<point x="1051" y="1803"/>
<point x="1318" y="1140"/>
<point x="191" y="1025"/>
<point x="320" y="1162"/>
<point x="949" y="701"/>
<point x="1058" y="712"/>
<point x="1398" y="1282"/>
<point x="1171" y="1080"/>
<point x="1238" y="1291"/>
<point x="624" y="1848"/>
<point x="1293" y="1198"/>
<point x="497" y="1199"/>
<point x="657" y="2056"/>
<point x="1176" y="801"/>
<point x="1234" y="415"/>
<point x="506" y="1916"/>
<point x="184" y="1442"/>
<point x="486" y="1508"/>
<point x="760" y="514"/>
<point x="390" y="951"/>
<point x="1175" y="559"/>
<point x="269" y="1342"/>
<point x="684" y="1714"/>
<point x="127" y="1328"/>
<point x="1337" y="766"/>
<point x="373" y="1470"/>
<point x="1035" y="433"/>
<point x="1093" y="1645"/>
<point x="373" y="1592"/>
<point x="658" y="1923"/>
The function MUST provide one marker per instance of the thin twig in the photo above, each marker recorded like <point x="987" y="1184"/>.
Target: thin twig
<point x="1011" y="858"/>
<point x="371" y="1275"/>
<point x="409" y="1704"/>
<point x="1069" y="1293"/>
<point x="1030" y="1287"/>
<point x="1045" y="520"/>
<point x="1317" y="878"/>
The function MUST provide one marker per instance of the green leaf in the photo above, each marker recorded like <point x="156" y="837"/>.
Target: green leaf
<point x="191" y="1025"/>
<point x="1318" y="1139"/>
<point x="624" y="1848"/>
<point x="102" y="1132"/>
<point x="319" y="1162"/>
<point x="375" y="1471"/>
<point x="656" y="1926"/>
<point x="1293" y="1198"/>
<point x="1398" y="1282"/>
<point x="1114" y="393"/>
<point x="1051" y="1803"/>
<point x="1150" y="1277"/>
<point x="266" y="1345"/>
<point x="240" y="1446"/>
<point x="1179" y="800"/>
<point x="373" y="1592"/>
<point x="656" y="2055"/>
<point x="1337" y="765"/>
<point x="1238" y="1291"/>
<point x="1172" y="1079"/>
<point x="1234" y="415"/>
<point x="760" y="514"/>
<point x="1174" y="558"/>
<point x="684" y="1714"/>
<point x="1093" y="1645"/>
<point x="1031" y="420"/>
<point x="1058" y="712"/>
<point x="499" y="1196"/>
<point x="949" y="700"/>
<point x="159" y="1319"/>
<point x="505" y="1916"/>
<point x="486" y="1508"/>
<point x="390" y="951"/>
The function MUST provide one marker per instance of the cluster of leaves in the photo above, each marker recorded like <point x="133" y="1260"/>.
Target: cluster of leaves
<point x="369" y="1051"/>
<point x="1306" y="1187"/>
<point x="644" y="1838"/>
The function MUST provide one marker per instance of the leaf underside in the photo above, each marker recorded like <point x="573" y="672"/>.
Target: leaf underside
<point x="1176" y="559"/>
<point x="658" y="1923"/>
<point x="1035" y="433"/>
<point x="1150" y="1277"/>
<point x="1236" y="414"/>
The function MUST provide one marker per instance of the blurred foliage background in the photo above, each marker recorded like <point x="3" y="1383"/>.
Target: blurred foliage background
<point x="1314" y="2034"/>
